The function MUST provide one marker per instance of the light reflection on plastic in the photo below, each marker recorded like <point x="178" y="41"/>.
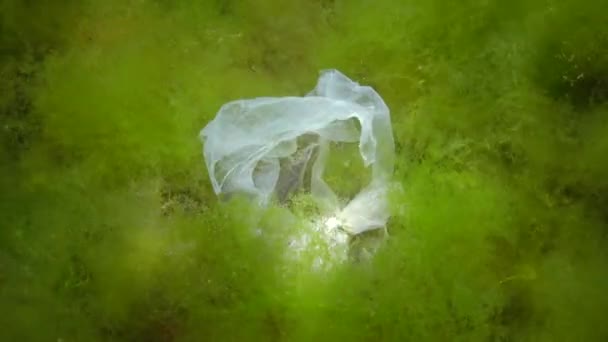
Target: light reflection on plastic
<point x="322" y="239"/>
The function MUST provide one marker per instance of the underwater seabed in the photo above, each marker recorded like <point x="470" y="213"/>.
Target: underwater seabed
<point x="110" y="229"/>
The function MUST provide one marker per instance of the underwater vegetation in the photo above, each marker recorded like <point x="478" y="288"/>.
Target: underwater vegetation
<point x="110" y="230"/>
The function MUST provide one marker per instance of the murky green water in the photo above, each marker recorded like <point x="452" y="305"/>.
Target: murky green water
<point x="110" y="230"/>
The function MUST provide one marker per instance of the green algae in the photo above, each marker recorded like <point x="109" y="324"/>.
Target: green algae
<point x="111" y="231"/>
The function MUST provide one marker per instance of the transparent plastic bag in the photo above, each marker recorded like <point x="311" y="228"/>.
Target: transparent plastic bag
<point x="271" y="148"/>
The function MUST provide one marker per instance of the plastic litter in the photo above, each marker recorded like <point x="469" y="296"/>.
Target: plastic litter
<point x="271" y="148"/>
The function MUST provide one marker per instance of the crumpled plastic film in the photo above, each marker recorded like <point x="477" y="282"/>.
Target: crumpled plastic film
<point x="273" y="147"/>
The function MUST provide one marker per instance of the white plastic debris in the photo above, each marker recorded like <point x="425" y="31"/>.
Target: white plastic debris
<point x="271" y="147"/>
<point x="319" y="243"/>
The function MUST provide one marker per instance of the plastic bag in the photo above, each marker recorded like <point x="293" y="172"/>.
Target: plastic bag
<point x="271" y="148"/>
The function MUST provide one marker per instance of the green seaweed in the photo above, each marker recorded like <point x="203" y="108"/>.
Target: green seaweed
<point x="111" y="230"/>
